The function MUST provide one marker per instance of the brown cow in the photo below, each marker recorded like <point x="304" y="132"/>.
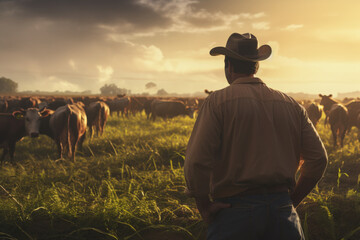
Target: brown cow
<point x="338" y="117"/>
<point x="314" y="111"/>
<point x="147" y="107"/>
<point x="119" y="105"/>
<point x="353" y="108"/>
<point x="97" y="114"/>
<point x="327" y="102"/>
<point x="169" y="109"/>
<point x="67" y="127"/>
<point x="339" y="120"/>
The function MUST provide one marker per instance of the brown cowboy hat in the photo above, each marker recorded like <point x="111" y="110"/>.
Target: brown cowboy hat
<point x="243" y="47"/>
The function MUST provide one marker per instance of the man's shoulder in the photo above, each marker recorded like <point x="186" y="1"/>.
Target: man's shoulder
<point x="283" y="96"/>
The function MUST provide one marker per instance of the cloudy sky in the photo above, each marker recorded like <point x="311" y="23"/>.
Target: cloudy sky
<point x="80" y="45"/>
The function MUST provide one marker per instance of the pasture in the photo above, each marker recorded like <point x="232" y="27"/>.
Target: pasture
<point x="129" y="184"/>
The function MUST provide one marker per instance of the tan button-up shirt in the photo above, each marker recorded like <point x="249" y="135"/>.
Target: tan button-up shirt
<point x="248" y="135"/>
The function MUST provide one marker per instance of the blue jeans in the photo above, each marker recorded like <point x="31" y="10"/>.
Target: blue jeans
<point x="255" y="217"/>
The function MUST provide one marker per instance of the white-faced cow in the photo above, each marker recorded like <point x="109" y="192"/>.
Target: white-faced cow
<point x="169" y="109"/>
<point x="14" y="126"/>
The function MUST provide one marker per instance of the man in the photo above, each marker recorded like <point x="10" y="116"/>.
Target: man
<point x="245" y="149"/>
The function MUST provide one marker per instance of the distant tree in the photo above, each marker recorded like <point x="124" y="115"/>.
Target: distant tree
<point x="162" y="92"/>
<point x="7" y="85"/>
<point x="112" y="89"/>
<point x="150" y="85"/>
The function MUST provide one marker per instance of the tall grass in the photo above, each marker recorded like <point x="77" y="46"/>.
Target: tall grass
<point x="129" y="184"/>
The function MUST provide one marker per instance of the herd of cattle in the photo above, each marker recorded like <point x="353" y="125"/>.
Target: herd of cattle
<point x="66" y="119"/>
<point x="341" y="115"/>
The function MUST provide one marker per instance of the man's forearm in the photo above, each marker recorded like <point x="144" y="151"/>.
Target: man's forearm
<point x="303" y="187"/>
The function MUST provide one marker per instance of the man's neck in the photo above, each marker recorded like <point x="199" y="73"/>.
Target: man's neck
<point x="235" y="76"/>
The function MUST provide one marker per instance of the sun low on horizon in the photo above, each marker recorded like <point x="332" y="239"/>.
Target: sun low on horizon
<point x="75" y="45"/>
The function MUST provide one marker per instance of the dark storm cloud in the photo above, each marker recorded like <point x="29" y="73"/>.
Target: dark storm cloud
<point x="108" y="12"/>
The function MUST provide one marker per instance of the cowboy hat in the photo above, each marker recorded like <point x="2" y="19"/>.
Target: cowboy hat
<point x="243" y="47"/>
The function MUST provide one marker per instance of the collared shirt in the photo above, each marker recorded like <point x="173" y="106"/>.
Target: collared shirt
<point x="248" y="135"/>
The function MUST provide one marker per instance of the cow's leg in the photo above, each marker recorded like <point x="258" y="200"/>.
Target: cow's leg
<point x="342" y="135"/>
<point x="5" y="152"/>
<point x="91" y="132"/>
<point x="334" y="133"/>
<point x="73" y="148"/>
<point x="12" y="151"/>
<point x="59" y="148"/>
<point x="81" y="141"/>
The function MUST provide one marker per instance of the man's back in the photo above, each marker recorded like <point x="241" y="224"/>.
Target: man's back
<point x="259" y="134"/>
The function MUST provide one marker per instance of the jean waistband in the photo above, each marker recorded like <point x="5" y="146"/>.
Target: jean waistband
<point x="263" y="190"/>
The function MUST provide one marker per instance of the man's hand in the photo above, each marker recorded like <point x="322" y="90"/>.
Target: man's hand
<point x="208" y="209"/>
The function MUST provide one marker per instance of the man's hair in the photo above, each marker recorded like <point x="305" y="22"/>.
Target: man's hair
<point x="244" y="67"/>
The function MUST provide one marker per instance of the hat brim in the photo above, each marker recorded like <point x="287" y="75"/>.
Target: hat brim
<point x="263" y="53"/>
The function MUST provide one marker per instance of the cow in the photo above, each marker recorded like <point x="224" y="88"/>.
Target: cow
<point x="14" y="126"/>
<point x="327" y="102"/>
<point x="136" y="105"/>
<point x="169" y="109"/>
<point x="119" y="105"/>
<point x="314" y="111"/>
<point x="147" y="107"/>
<point x="339" y="120"/>
<point x="67" y="127"/>
<point x="97" y="114"/>
<point x="338" y="117"/>
<point x="353" y="108"/>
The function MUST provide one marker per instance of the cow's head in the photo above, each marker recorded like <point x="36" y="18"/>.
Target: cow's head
<point x="190" y="111"/>
<point x="325" y="99"/>
<point x="32" y="118"/>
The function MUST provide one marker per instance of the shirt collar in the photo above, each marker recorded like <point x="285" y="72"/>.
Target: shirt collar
<point x="247" y="80"/>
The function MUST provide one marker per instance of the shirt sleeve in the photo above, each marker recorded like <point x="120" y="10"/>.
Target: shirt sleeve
<point x="313" y="151"/>
<point x="202" y="149"/>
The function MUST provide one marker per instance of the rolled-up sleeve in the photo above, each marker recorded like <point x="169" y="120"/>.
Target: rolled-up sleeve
<point x="202" y="149"/>
<point x="313" y="151"/>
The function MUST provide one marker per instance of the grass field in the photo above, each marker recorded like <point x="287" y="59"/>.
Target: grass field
<point x="129" y="184"/>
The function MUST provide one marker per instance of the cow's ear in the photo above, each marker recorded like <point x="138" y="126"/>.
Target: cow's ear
<point x="330" y="95"/>
<point x="18" y="115"/>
